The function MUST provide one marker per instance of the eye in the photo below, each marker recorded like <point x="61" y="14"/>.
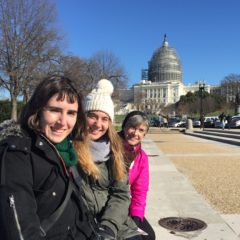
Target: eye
<point x="53" y="109"/>
<point x="105" y="119"/>
<point x="72" y="113"/>
<point x="141" y="130"/>
<point x="91" y="116"/>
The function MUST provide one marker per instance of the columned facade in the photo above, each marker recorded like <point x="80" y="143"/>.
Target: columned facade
<point x="152" y="96"/>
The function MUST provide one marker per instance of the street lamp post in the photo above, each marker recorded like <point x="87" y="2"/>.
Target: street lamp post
<point x="237" y="103"/>
<point x="201" y="89"/>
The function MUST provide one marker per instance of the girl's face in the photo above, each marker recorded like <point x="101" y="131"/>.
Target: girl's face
<point x="58" y="118"/>
<point x="98" y="123"/>
<point x="134" y="135"/>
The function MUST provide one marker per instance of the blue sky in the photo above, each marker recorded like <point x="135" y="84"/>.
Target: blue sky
<point x="205" y="33"/>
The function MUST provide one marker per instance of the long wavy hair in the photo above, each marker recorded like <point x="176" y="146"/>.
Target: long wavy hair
<point x="90" y="167"/>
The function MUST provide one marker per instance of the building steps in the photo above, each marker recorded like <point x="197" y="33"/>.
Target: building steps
<point x="225" y="136"/>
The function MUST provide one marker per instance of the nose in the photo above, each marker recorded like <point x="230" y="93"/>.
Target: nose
<point x="98" y="123"/>
<point x="62" y="119"/>
<point x="135" y="131"/>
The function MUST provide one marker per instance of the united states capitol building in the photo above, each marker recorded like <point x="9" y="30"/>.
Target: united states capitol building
<point x="161" y="84"/>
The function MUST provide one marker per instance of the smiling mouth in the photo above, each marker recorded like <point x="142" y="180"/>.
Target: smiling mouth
<point x="55" y="131"/>
<point x="133" y="139"/>
<point x="95" y="131"/>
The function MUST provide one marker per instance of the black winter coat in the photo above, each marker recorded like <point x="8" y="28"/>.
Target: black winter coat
<point x="33" y="184"/>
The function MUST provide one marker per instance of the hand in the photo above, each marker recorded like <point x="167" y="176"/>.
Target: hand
<point x="104" y="233"/>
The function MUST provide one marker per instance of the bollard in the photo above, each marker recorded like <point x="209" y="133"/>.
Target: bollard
<point x="189" y="125"/>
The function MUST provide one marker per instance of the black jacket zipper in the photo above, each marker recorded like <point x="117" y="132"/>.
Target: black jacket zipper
<point x="13" y="206"/>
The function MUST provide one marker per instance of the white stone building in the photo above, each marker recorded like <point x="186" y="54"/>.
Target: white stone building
<point x="163" y="81"/>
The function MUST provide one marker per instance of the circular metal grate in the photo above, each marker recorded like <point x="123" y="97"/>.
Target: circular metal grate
<point x="179" y="224"/>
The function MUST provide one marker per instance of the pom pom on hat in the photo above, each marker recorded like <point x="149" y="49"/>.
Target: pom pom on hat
<point x="104" y="86"/>
<point x="99" y="99"/>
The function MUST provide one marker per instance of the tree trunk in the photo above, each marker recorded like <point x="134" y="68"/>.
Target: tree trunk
<point x="26" y="96"/>
<point x="14" y="108"/>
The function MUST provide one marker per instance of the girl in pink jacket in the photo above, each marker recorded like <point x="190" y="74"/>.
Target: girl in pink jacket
<point x="134" y="128"/>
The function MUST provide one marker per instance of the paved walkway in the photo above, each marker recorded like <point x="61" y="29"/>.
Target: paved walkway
<point x="172" y="195"/>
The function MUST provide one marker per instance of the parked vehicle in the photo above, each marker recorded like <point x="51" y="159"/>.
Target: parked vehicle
<point x="154" y="122"/>
<point x="182" y="123"/>
<point x="235" y="122"/>
<point x="176" y="122"/>
<point x="218" y="124"/>
<point x="209" y="122"/>
<point x="173" y="121"/>
<point x="196" y="123"/>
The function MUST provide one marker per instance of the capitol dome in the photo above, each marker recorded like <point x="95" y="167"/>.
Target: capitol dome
<point x="165" y="65"/>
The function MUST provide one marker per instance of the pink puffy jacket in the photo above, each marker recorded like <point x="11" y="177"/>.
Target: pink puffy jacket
<point x="139" y="181"/>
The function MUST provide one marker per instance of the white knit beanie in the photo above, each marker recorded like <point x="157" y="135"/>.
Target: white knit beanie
<point x="99" y="99"/>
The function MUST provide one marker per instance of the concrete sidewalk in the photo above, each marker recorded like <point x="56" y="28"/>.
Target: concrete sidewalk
<point x="172" y="195"/>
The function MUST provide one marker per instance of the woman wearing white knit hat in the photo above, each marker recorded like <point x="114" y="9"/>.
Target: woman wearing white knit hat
<point x="105" y="182"/>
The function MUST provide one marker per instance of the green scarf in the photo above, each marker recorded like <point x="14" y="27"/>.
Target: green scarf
<point x="67" y="152"/>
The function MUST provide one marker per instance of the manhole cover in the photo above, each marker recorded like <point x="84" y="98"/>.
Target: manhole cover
<point x="179" y="224"/>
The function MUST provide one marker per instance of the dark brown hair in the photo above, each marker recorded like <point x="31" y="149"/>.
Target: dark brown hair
<point x="64" y="87"/>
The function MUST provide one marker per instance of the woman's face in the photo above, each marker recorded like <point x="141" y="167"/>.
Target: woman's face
<point x="134" y="135"/>
<point x="98" y="123"/>
<point x="58" y="118"/>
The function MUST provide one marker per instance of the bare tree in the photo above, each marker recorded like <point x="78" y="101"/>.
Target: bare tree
<point x="104" y="64"/>
<point x="79" y="70"/>
<point x="230" y="87"/>
<point x="107" y="65"/>
<point x="87" y="72"/>
<point x="28" y="39"/>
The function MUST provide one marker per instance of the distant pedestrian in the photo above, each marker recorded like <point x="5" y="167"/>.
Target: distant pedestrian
<point x="229" y="119"/>
<point x="202" y="121"/>
<point x="222" y="118"/>
<point x="160" y="123"/>
<point x="165" y="122"/>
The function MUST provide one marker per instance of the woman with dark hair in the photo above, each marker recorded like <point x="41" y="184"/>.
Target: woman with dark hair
<point x="39" y="198"/>
<point x="134" y="128"/>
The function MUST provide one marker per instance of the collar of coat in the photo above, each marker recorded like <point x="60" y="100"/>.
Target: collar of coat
<point x="132" y="148"/>
<point x="10" y="128"/>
